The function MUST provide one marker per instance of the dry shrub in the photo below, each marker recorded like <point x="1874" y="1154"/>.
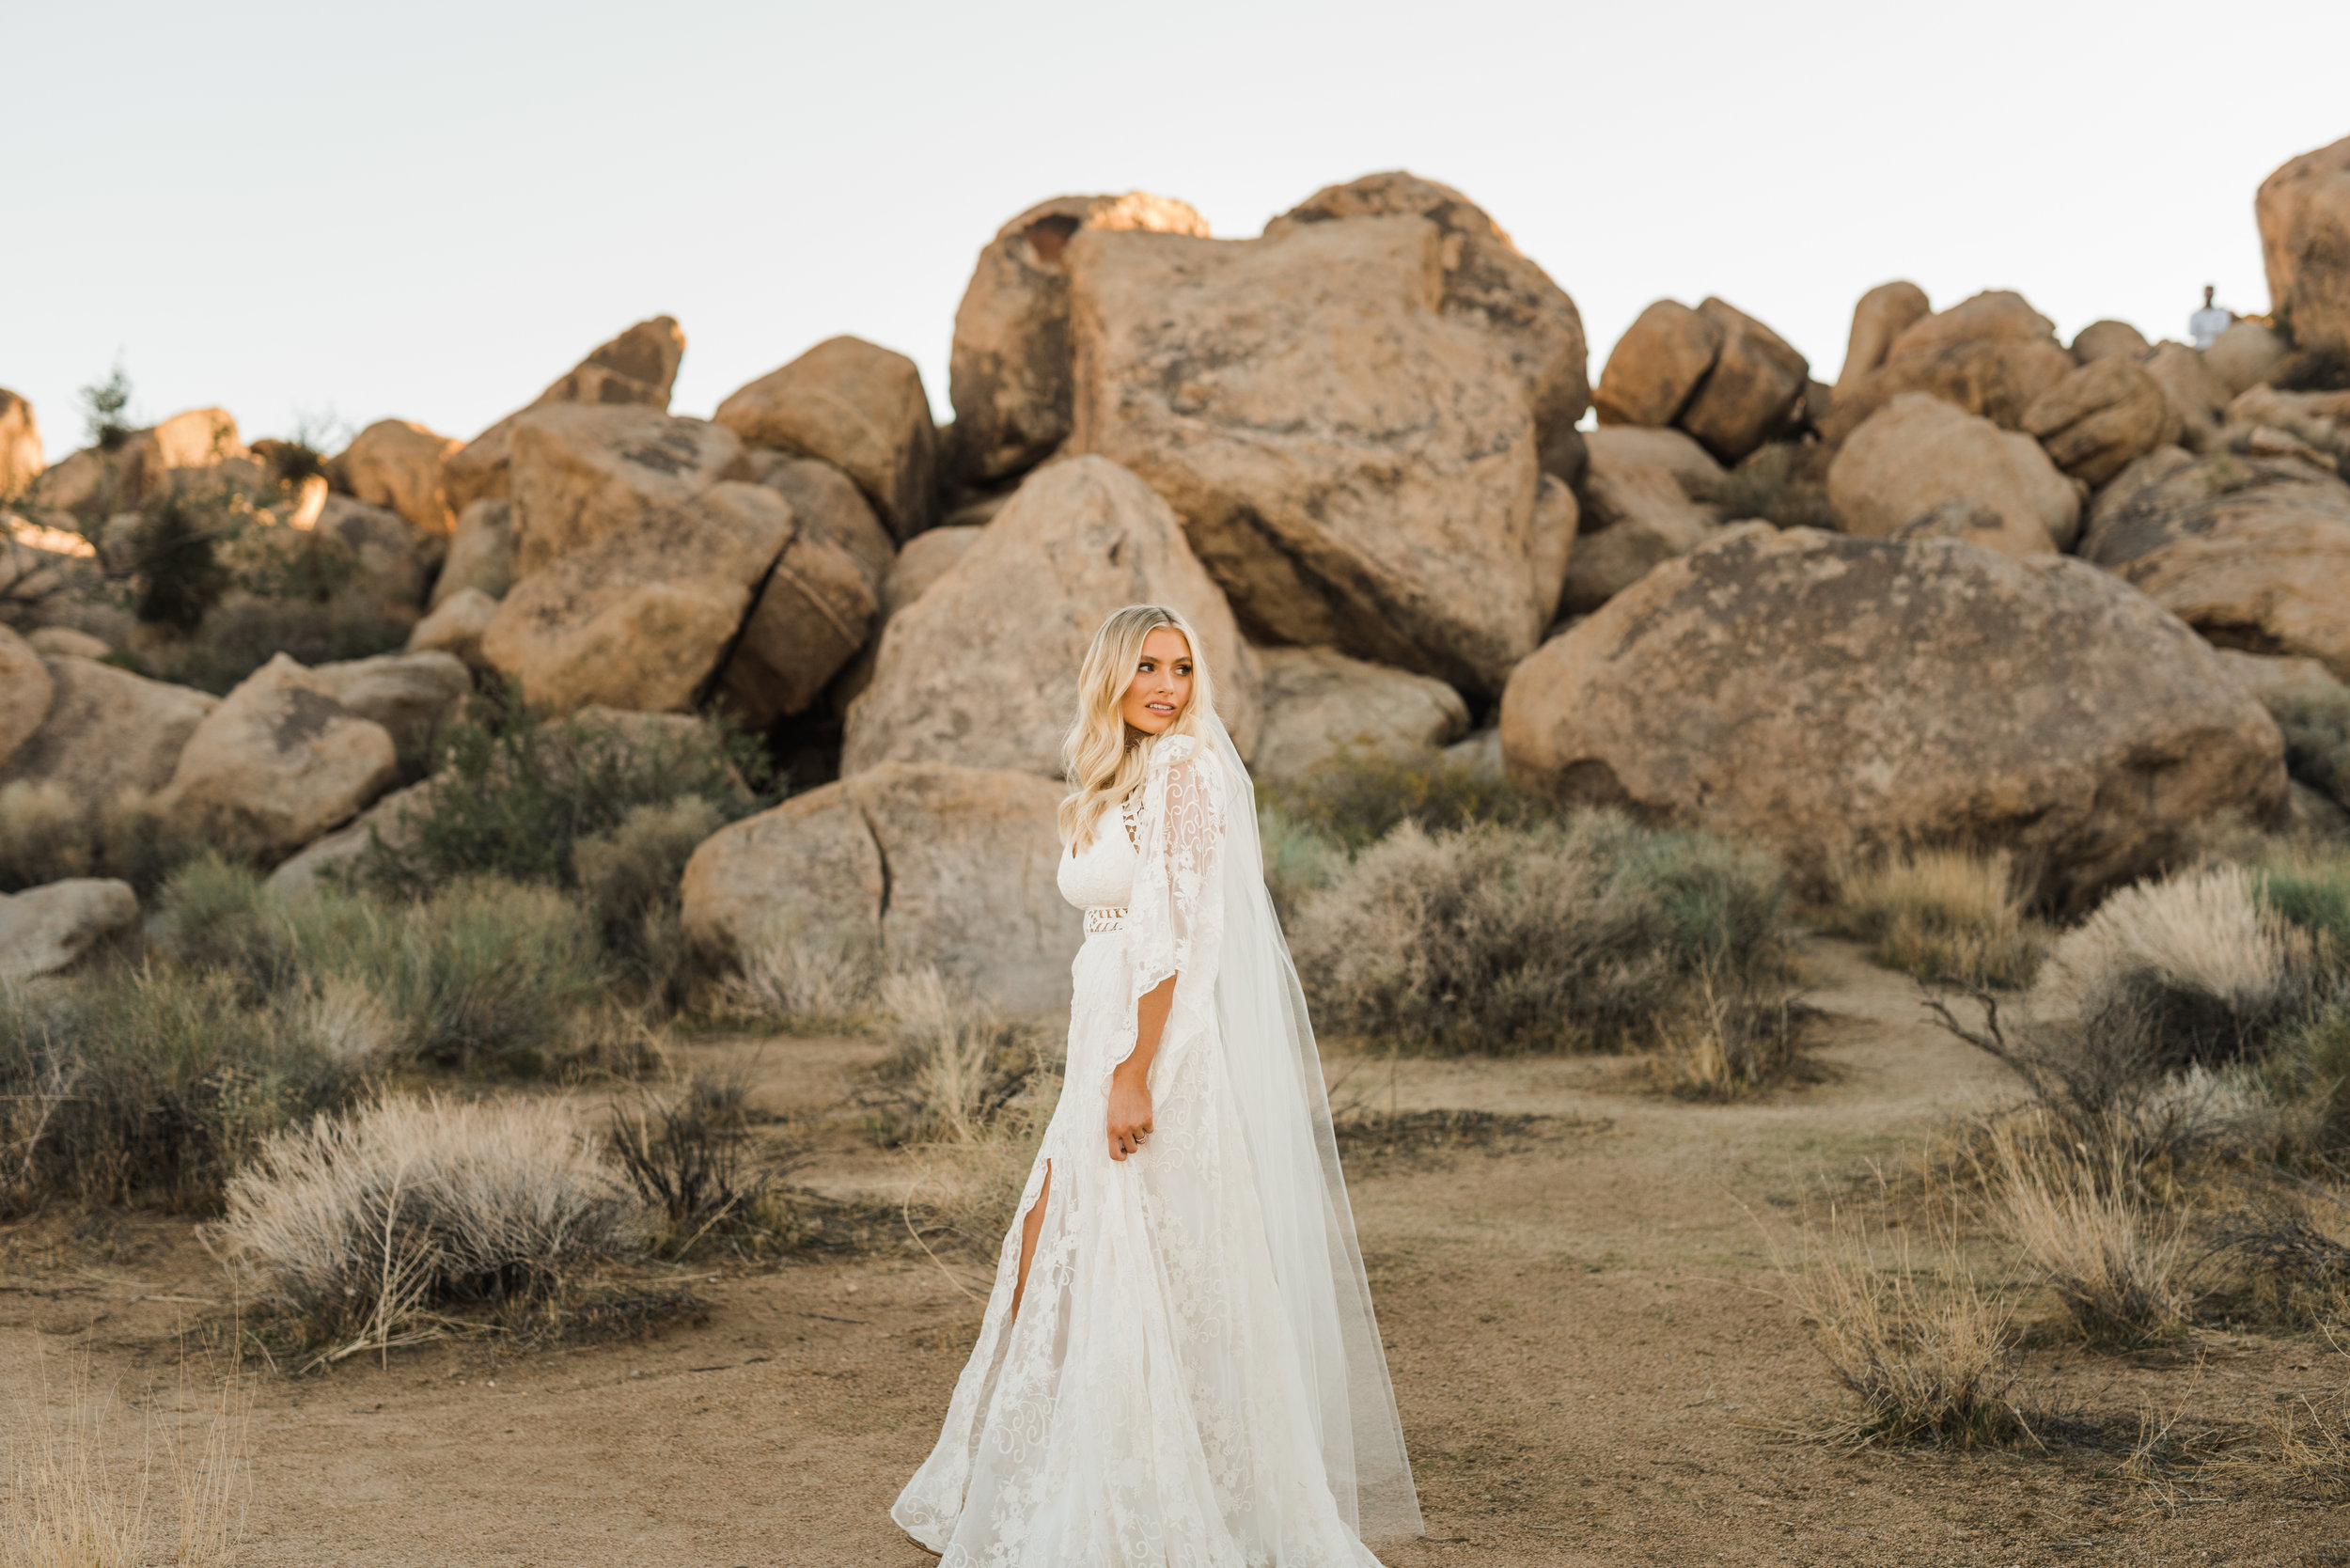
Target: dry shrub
<point x="483" y="973"/>
<point x="68" y="1504"/>
<point x="144" y="1085"/>
<point x="366" y="1225"/>
<point x="1574" y="933"/>
<point x="1927" y="1350"/>
<point x="690" y="1156"/>
<point x="796" y="979"/>
<point x="1727" y="1041"/>
<point x="2195" y="962"/>
<point x="1942" y="915"/>
<point x="2115" y="1260"/>
<point x="2317" y="741"/>
<point x="2294" y="1249"/>
<point x="2313" y="1428"/>
<point x="972" y="1091"/>
<point x="47" y="834"/>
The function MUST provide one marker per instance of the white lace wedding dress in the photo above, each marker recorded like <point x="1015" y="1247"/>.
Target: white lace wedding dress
<point x="1152" y="1403"/>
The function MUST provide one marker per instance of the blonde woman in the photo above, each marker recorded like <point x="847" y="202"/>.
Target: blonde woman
<point x="1178" y="1365"/>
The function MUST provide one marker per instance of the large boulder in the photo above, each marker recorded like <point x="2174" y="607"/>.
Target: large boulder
<point x="408" y="694"/>
<point x="394" y="559"/>
<point x="397" y="821"/>
<point x="1082" y="538"/>
<point x="107" y="730"/>
<point x="1489" y="284"/>
<point x="20" y="456"/>
<point x="1318" y="703"/>
<point x="2304" y="214"/>
<point x="920" y="864"/>
<point x="481" y="553"/>
<point x="821" y="603"/>
<point x="2254" y="552"/>
<point x="1656" y="364"/>
<point x="927" y="558"/>
<point x="397" y="464"/>
<point x="861" y="408"/>
<point x="456" y="626"/>
<point x="278" y="763"/>
<point x="2102" y="417"/>
<point x="26" y="692"/>
<point x="1919" y="455"/>
<point x="2319" y="420"/>
<point x="639" y="619"/>
<point x="1009" y="371"/>
<point x="43" y="929"/>
<point x="637" y="368"/>
<point x="1754" y="391"/>
<point x="579" y="474"/>
<point x="2241" y="357"/>
<point x="200" y="438"/>
<point x="1640" y="506"/>
<point x="2109" y="340"/>
<point x="1883" y="314"/>
<point x="1355" y="469"/>
<point x="2192" y="390"/>
<point x="1829" y="694"/>
<point x="1991" y="355"/>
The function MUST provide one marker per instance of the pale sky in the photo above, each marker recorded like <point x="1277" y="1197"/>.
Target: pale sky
<point x="432" y="210"/>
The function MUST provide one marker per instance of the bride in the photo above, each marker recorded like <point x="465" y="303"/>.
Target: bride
<point x="1178" y="1365"/>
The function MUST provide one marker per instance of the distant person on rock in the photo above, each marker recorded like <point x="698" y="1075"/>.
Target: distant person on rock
<point x="2206" y="324"/>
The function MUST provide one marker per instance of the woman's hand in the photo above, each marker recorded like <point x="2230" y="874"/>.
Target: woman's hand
<point x="1130" y="1109"/>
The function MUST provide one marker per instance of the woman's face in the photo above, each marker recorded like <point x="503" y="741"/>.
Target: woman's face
<point x="1161" y="688"/>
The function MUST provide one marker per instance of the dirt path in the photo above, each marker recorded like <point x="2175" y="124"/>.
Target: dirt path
<point x="1587" y="1347"/>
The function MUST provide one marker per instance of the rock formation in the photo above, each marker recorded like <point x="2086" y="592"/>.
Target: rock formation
<point x="914" y="864"/>
<point x="862" y="409"/>
<point x="1008" y="373"/>
<point x="1919" y="456"/>
<point x="637" y="368"/>
<point x="43" y="929"/>
<point x="1318" y="703"/>
<point x="276" y="764"/>
<point x="1355" y="469"/>
<point x="1829" y="693"/>
<point x="2304" y="214"/>
<point x="1082" y="538"/>
<point x="398" y="463"/>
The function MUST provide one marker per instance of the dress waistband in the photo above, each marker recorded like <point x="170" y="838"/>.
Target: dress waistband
<point x="1102" y="917"/>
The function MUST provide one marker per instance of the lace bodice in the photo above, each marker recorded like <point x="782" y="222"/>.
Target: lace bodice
<point x="1102" y="875"/>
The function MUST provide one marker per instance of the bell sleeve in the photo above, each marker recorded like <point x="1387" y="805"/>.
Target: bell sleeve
<point x="1175" y="915"/>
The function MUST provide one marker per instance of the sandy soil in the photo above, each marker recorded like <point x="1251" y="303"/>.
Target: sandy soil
<point x="1593" y="1360"/>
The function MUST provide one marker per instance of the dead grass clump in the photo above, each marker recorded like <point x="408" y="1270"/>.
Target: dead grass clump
<point x="692" y="1159"/>
<point x="1942" y="915"/>
<point x="2294" y="1249"/>
<point x="2313" y="1428"/>
<point x="801" y="979"/>
<point x="366" y="1226"/>
<point x="2115" y="1260"/>
<point x="2195" y="961"/>
<point x="1580" y="932"/>
<point x="1925" y="1348"/>
<point x="67" y="1502"/>
<point x="1728" y="1042"/>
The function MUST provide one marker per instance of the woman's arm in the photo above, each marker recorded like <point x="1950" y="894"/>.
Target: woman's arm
<point x="1130" y="1083"/>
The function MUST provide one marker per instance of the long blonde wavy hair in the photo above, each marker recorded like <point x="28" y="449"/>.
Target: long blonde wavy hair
<point x="1098" y="756"/>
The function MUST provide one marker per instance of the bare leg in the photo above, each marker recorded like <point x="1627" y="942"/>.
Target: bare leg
<point x="1028" y="1228"/>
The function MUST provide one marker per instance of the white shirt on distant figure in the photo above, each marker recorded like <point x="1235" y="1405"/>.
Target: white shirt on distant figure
<point x="2206" y="324"/>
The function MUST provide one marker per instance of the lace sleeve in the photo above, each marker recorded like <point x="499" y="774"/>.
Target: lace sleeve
<point x="1175" y="918"/>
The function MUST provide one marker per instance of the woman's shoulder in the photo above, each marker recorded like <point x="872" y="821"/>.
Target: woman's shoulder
<point x="1167" y="750"/>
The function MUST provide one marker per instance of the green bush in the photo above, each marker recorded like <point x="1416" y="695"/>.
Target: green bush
<point x="2311" y="889"/>
<point x="47" y="834"/>
<point x="2317" y="742"/>
<point x="1355" y="799"/>
<point x="629" y="879"/>
<point x="1581" y="933"/>
<point x="483" y="973"/>
<point x="516" y="793"/>
<point x="145" y="1086"/>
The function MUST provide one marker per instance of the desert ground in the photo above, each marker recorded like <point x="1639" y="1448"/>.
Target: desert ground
<point x="1592" y="1346"/>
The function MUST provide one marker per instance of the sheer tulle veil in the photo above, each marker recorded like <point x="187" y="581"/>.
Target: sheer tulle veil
<point x="1275" y="1072"/>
